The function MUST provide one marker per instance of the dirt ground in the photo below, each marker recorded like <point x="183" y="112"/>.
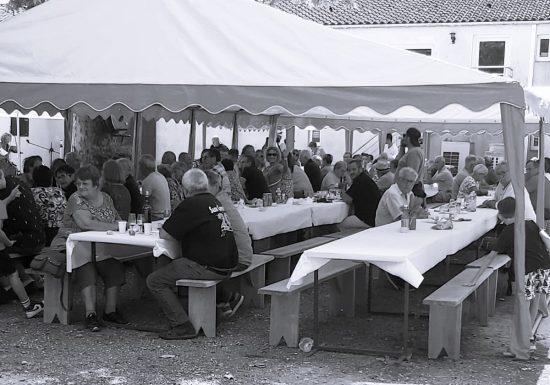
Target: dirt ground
<point x="36" y="353"/>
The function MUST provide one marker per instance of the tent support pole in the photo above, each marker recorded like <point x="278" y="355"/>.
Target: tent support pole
<point x="138" y="136"/>
<point x="290" y="137"/>
<point x="235" y="133"/>
<point x="272" y="130"/>
<point x="541" y="178"/>
<point x="192" y="135"/>
<point x="204" y="136"/>
<point x="381" y="141"/>
<point x="513" y="125"/>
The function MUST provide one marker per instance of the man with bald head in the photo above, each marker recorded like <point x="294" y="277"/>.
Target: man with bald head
<point x="335" y="176"/>
<point x="202" y="227"/>
<point x="399" y="194"/>
<point x="444" y="180"/>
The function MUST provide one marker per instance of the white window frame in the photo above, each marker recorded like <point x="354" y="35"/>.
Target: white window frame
<point x="507" y="69"/>
<point x="538" y="57"/>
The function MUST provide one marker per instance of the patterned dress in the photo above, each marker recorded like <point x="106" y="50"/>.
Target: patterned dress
<point x="52" y="204"/>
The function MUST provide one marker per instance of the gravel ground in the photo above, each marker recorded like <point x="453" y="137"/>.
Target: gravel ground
<point x="36" y="353"/>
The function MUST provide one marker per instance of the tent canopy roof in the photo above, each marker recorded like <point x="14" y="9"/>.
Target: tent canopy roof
<point x="168" y="55"/>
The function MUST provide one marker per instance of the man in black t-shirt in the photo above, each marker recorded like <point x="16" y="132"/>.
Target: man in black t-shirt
<point x="208" y="247"/>
<point x="364" y="195"/>
<point x="254" y="180"/>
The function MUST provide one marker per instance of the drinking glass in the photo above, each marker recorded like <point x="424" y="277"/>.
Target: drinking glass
<point x="132" y="219"/>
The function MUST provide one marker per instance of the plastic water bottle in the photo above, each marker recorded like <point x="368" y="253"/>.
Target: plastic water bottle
<point x="278" y="197"/>
<point x="305" y="344"/>
<point x="405" y="219"/>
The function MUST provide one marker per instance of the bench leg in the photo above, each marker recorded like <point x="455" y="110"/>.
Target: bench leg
<point x="279" y="269"/>
<point x="493" y="284"/>
<point x="249" y="284"/>
<point x="284" y="320"/>
<point x="444" y="330"/>
<point x="342" y="295"/>
<point x="55" y="291"/>
<point x="482" y="303"/>
<point x="202" y="309"/>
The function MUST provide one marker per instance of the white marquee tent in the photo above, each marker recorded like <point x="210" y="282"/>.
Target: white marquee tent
<point x="169" y="58"/>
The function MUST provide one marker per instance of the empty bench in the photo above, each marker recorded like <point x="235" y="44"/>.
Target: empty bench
<point x="446" y="311"/>
<point x="285" y="302"/>
<point x="279" y="268"/>
<point x="202" y="294"/>
<point x="499" y="261"/>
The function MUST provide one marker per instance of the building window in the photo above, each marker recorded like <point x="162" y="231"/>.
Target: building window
<point x="543" y="48"/>
<point x="492" y="56"/>
<point x="422" y="51"/>
<point x="451" y="159"/>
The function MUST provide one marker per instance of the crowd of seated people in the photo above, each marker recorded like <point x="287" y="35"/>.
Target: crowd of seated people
<point x="44" y="205"/>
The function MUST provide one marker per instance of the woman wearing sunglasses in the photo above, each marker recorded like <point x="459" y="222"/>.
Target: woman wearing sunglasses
<point x="277" y="172"/>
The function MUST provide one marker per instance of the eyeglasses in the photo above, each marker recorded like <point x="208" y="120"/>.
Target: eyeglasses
<point x="272" y="154"/>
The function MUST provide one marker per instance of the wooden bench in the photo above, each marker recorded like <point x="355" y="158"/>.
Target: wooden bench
<point x="202" y="293"/>
<point x="285" y="303"/>
<point x="58" y="292"/>
<point x="279" y="268"/>
<point x="499" y="261"/>
<point x="446" y="311"/>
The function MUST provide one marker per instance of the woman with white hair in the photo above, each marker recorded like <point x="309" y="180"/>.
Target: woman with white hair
<point x="471" y="183"/>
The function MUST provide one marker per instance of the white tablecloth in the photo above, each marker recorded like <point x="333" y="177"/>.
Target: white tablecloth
<point x="261" y="224"/>
<point x="171" y="249"/>
<point x="276" y="219"/>
<point x="406" y="255"/>
<point x="328" y="213"/>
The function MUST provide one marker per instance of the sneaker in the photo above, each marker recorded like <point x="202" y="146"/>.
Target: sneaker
<point x="180" y="332"/>
<point x="34" y="309"/>
<point x="235" y="303"/>
<point x="92" y="323"/>
<point x="115" y="318"/>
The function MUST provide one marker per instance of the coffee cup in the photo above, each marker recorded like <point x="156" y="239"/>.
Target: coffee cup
<point x="122" y="226"/>
<point x="147" y="227"/>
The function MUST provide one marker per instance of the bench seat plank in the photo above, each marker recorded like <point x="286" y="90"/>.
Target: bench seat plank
<point x="499" y="261"/>
<point x="297" y="248"/>
<point x="454" y="292"/>
<point x="257" y="261"/>
<point x="326" y="272"/>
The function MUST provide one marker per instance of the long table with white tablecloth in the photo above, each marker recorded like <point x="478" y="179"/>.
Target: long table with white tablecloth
<point x="407" y="255"/>
<point x="269" y="221"/>
<point x="261" y="224"/>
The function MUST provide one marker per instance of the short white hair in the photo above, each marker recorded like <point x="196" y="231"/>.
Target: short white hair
<point x="409" y="171"/>
<point x="195" y="182"/>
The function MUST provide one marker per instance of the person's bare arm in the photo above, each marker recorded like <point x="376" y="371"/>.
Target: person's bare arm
<point x="4" y="238"/>
<point x="163" y="234"/>
<point x="346" y="198"/>
<point x="85" y="221"/>
<point x="14" y="194"/>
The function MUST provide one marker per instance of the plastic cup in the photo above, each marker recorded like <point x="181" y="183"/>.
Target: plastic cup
<point x="147" y="227"/>
<point x="122" y="226"/>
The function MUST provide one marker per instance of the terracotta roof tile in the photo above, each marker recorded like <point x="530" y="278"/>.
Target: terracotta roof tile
<point x="423" y="11"/>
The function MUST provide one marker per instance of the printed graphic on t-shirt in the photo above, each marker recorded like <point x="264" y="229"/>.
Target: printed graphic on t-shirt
<point x="225" y="224"/>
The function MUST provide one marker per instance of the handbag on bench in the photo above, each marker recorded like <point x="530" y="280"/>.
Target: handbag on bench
<point x="50" y="262"/>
